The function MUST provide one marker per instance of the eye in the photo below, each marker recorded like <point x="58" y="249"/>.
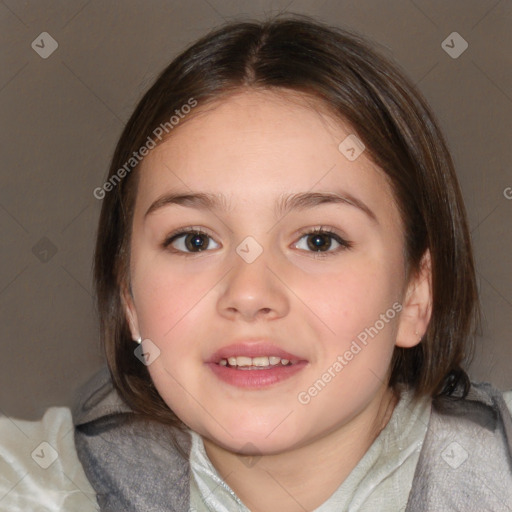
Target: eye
<point x="321" y="240"/>
<point x="190" y="241"/>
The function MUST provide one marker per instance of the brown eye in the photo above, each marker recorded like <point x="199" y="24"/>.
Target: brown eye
<point x="319" y="241"/>
<point x="190" y="241"/>
<point x="196" y="241"/>
<point x="322" y="241"/>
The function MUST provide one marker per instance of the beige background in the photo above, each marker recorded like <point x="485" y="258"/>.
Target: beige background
<point x="61" y="117"/>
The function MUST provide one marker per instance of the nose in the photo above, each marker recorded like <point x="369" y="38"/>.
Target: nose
<point x="252" y="291"/>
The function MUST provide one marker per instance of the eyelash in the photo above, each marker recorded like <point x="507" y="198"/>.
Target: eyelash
<point x="322" y="230"/>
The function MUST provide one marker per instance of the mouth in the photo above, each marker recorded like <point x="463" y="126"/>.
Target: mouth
<point x="254" y="365"/>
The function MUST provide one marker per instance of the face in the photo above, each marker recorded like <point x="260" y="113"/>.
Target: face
<point x="265" y="273"/>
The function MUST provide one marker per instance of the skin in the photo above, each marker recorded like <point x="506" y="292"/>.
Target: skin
<point x="254" y="147"/>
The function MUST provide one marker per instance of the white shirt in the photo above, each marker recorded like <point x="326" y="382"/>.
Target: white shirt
<point x="381" y="480"/>
<point x="39" y="467"/>
<point x="40" y="470"/>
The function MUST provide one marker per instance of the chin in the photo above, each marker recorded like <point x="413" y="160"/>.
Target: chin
<point x="253" y="442"/>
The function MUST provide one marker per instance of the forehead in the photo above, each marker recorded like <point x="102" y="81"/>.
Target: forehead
<point x="259" y="144"/>
<point x="250" y="124"/>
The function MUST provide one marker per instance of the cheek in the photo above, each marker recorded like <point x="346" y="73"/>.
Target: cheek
<point x="171" y="312"/>
<point x="172" y="308"/>
<point x="166" y="299"/>
<point x="348" y="300"/>
<point x="355" y="306"/>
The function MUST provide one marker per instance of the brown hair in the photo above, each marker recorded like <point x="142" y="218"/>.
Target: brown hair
<point x="395" y="124"/>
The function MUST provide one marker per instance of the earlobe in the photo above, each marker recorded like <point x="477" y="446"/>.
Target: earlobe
<point x="417" y="307"/>
<point x="130" y="313"/>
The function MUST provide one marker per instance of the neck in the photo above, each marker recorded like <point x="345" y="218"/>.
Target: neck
<point x="304" y="477"/>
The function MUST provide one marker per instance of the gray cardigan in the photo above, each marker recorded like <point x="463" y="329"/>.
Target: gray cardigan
<point x="465" y="463"/>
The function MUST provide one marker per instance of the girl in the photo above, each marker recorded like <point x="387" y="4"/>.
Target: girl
<point x="292" y="254"/>
<point x="283" y="237"/>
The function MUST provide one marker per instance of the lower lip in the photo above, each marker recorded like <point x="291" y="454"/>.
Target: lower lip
<point x="255" y="379"/>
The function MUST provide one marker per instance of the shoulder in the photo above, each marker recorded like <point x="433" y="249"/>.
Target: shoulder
<point x="482" y="419"/>
<point x="466" y="459"/>
<point x="39" y="466"/>
<point x="130" y="461"/>
<point x="97" y="399"/>
<point x="482" y="399"/>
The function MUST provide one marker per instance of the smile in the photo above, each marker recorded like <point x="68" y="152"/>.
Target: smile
<point x="254" y="363"/>
<point x="255" y="374"/>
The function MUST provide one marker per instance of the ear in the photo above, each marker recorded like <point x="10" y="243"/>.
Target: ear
<point x="417" y="306"/>
<point x="130" y="312"/>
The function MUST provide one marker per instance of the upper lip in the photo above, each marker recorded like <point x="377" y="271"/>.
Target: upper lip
<point x="250" y="348"/>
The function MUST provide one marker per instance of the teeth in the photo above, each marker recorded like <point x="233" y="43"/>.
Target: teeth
<point x="244" y="361"/>
<point x="260" y="361"/>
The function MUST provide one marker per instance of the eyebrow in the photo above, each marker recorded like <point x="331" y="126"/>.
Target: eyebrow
<point x="285" y="203"/>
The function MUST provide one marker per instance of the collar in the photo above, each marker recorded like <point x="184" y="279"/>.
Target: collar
<point x="97" y="398"/>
